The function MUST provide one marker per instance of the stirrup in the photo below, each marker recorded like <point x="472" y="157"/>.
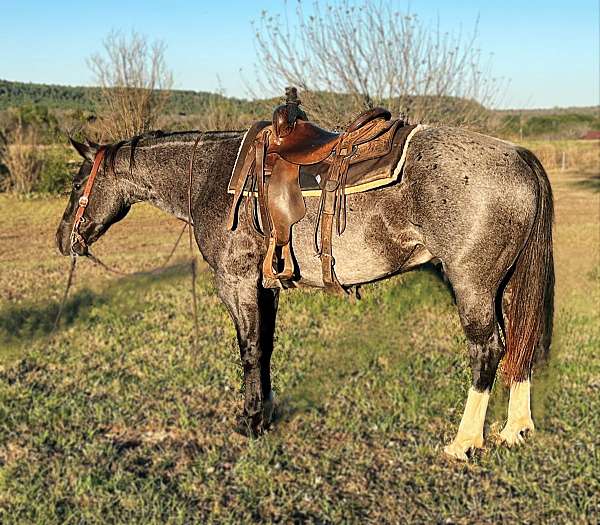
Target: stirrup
<point x="288" y="263"/>
<point x="271" y="257"/>
<point x="268" y="260"/>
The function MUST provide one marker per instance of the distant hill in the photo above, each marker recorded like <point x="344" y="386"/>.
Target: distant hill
<point x="532" y="123"/>
<point x="582" y="110"/>
<point x="574" y="122"/>
<point x="13" y="94"/>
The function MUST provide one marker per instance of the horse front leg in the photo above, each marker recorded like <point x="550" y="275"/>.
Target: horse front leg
<point x="253" y="310"/>
<point x="268" y="302"/>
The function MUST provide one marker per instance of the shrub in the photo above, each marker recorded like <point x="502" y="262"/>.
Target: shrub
<point x="56" y="172"/>
<point x="27" y="166"/>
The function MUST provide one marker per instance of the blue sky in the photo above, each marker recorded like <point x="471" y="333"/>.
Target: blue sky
<point x="549" y="50"/>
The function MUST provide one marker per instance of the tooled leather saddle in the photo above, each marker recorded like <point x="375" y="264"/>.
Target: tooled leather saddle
<point x="282" y="161"/>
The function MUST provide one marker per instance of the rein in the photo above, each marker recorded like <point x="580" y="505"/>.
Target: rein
<point x="76" y="237"/>
<point x="193" y="256"/>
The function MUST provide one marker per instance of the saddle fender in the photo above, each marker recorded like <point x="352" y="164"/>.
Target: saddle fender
<point x="284" y="199"/>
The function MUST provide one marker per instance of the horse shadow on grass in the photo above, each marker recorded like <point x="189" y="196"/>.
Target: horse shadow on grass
<point x="24" y="323"/>
<point x="357" y="349"/>
<point x="590" y="182"/>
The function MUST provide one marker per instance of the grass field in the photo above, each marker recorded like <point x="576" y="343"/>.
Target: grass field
<point x="114" y="419"/>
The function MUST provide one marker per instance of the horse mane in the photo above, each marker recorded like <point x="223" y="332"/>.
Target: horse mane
<point x="110" y="157"/>
<point x="111" y="150"/>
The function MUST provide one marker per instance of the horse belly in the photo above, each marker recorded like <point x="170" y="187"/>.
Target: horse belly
<point x="369" y="249"/>
<point x="354" y="261"/>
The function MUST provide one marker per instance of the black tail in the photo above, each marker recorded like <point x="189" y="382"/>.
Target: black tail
<point x="529" y="315"/>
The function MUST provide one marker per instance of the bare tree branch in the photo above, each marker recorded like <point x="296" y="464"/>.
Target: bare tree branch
<point x="135" y="84"/>
<point x="351" y="56"/>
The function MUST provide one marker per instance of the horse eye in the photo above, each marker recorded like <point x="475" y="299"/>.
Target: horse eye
<point x="76" y="185"/>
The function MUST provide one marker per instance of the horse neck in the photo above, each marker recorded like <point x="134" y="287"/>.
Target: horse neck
<point x="160" y="173"/>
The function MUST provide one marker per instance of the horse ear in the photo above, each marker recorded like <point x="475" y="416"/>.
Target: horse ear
<point x="88" y="152"/>
<point x="92" y="144"/>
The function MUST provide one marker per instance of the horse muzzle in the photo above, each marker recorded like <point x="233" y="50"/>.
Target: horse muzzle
<point x="63" y="239"/>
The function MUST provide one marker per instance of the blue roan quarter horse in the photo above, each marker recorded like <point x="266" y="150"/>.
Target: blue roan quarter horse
<point x="480" y="206"/>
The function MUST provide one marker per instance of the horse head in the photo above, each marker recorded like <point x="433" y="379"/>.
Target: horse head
<point x="97" y="200"/>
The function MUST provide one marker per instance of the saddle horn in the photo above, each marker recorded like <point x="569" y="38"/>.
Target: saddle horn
<point x="286" y="115"/>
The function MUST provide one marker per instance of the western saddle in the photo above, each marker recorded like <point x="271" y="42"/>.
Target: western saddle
<point x="269" y="164"/>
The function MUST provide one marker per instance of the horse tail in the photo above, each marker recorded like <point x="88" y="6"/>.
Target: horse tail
<point x="529" y="315"/>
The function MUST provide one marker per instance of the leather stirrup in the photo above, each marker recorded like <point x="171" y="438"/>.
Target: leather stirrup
<point x="288" y="263"/>
<point x="268" y="260"/>
<point x="271" y="258"/>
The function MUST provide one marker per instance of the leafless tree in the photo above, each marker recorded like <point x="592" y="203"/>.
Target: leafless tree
<point x="221" y="112"/>
<point x="134" y="84"/>
<point x="351" y="56"/>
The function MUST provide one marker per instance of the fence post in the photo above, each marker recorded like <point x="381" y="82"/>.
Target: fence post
<point x="563" y="161"/>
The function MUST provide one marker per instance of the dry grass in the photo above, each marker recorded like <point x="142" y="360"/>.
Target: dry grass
<point x="22" y="157"/>
<point x="567" y="154"/>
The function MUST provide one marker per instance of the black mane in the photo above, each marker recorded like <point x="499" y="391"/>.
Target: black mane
<point x="113" y="149"/>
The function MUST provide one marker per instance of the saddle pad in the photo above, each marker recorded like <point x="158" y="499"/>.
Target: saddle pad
<point x="362" y="176"/>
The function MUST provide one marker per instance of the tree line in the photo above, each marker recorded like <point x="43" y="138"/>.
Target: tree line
<point x="344" y="58"/>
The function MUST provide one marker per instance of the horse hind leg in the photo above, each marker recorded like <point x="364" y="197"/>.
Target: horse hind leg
<point x="519" y="421"/>
<point x="478" y="318"/>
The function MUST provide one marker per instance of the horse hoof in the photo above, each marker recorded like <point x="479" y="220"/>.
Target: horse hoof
<point x="460" y="449"/>
<point x="514" y="433"/>
<point x="251" y="427"/>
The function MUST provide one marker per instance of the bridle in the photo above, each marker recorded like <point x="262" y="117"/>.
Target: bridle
<point x="84" y="200"/>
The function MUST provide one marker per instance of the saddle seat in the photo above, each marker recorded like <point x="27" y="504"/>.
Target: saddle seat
<point x="308" y="144"/>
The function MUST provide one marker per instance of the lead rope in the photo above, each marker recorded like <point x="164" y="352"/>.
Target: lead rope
<point x="104" y="266"/>
<point x="65" y="295"/>
<point x="98" y="262"/>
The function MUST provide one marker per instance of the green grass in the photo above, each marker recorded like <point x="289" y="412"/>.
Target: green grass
<point x="115" y="419"/>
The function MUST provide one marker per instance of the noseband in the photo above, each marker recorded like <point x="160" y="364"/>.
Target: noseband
<point x="76" y="237"/>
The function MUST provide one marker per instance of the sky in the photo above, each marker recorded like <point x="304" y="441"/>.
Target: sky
<point x="548" y="51"/>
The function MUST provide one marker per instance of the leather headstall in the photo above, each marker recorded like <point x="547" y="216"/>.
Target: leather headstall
<point x="84" y="200"/>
